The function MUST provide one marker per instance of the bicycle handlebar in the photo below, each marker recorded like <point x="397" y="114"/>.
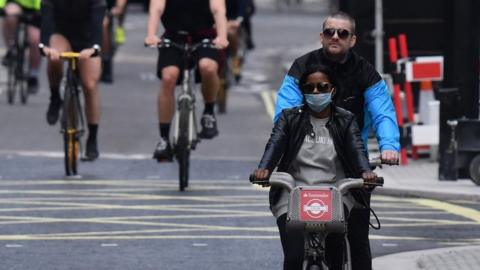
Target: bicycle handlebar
<point x="167" y="43"/>
<point x="285" y="180"/>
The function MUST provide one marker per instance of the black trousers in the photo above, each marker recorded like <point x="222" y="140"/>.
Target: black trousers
<point x="358" y="230"/>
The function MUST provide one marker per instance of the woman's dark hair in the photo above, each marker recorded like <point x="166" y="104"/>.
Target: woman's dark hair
<point x="317" y="68"/>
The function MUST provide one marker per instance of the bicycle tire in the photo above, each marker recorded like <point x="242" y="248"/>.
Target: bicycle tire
<point x="21" y="82"/>
<point x="182" y="145"/>
<point x="70" y="132"/>
<point x="222" y="97"/>
<point x="11" y="78"/>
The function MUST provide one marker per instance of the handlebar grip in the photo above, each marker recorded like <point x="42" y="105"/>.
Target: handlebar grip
<point x="254" y="180"/>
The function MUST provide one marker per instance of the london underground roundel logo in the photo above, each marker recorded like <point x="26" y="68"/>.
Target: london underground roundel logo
<point x="315" y="208"/>
<point x="316" y="205"/>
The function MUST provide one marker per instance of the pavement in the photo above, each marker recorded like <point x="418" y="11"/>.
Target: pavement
<point x="420" y="179"/>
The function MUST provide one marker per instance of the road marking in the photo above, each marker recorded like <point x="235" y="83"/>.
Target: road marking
<point x="269" y="104"/>
<point x="199" y="245"/>
<point x="117" y="156"/>
<point x="109" y="245"/>
<point x="465" y="212"/>
<point x="13" y="246"/>
<point x="389" y="245"/>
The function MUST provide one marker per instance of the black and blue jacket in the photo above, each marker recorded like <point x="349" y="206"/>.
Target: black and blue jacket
<point x="360" y="90"/>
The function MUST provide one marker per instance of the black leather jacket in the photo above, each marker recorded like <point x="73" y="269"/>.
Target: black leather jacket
<point x="289" y="133"/>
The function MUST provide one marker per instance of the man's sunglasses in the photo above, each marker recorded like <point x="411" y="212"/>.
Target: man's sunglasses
<point x="342" y="33"/>
<point x="322" y="87"/>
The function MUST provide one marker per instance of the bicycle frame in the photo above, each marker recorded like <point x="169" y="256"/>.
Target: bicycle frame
<point x="73" y="123"/>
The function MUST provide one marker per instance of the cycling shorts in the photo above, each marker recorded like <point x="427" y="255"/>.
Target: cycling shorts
<point x="174" y="57"/>
<point x="78" y="38"/>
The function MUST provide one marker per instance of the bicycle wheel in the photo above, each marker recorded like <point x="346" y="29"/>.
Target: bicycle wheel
<point x="70" y="120"/>
<point x="21" y="80"/>
<point x="11" y="80"/>
<point x="183" y="143"/>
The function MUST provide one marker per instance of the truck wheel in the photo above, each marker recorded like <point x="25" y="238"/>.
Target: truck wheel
<point x="474" y="169"/>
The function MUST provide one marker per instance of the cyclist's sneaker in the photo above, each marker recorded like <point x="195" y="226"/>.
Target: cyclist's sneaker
<point x="209" y="126"/>
<point x="163" y="151"/>
<point x="53" y="110"/>
<point x="92" y="151"/>
<point x="32" y="84"/>
<point x="120" y="35"/>
<point x="7" y="57"/>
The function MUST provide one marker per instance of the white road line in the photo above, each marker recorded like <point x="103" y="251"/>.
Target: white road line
<point x="199" y="245"/>
<point x="116" y="156"/>
<point x="269" y="105"/>
<point x="109" y="245"/>
<point x="389" y="245"/>
<point x="13" y="246"/>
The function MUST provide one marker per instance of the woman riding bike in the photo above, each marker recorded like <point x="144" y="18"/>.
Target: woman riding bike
<point x="317" y="142"/>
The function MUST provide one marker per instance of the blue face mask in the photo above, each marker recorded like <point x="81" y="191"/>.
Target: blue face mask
<point x="318" y="102"/>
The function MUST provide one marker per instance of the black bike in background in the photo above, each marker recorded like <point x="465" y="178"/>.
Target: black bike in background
<point x="16" y="61"/>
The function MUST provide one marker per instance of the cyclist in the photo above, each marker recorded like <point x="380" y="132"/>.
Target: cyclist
<point x="249" y="11"/>
<point x="74" y="25"/>
<point x="182" y="20"/>
<point x="114" y="8"/>
<point x="235" y="16"/>
<point x="11" y="9"/>
<point x="360" y="90"/>
<point x="317" y="142"/>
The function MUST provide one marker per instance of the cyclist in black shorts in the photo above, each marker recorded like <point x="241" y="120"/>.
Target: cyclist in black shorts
<point x="184" y="20"/>
<point x="114" y="8"/>
<point x="31" y="8"/>
<point x="74" y="25"/>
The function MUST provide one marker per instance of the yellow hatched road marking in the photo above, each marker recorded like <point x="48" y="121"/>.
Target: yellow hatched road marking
<point x="468" y="213"/>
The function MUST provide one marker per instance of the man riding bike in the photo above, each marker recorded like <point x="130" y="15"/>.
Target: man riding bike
<point x="362" y="91"/>
<point x="13" y="8"/>
<point x="74" y="25"/>
<point x="184" y="21"/>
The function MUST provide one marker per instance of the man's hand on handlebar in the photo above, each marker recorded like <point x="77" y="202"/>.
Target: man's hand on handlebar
<point x="220" y="42"/>
<point x="389" y="157"/>
<point x="86" y="53"/>
<point x="152" y="40"/>
<point x="261" y="174"/>
<point x="51" y="53"/>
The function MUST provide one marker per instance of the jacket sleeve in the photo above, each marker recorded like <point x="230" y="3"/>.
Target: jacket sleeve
<point x="380" y="112"/>
<point x="98" y="9"/>
<point x="356" y="148"/>
<point x="276" y="145"/>
<point x="48" y="21"/>
<point x="288" y="96"/>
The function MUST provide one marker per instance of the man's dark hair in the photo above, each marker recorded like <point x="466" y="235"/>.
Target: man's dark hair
<point x="343" y="16"/>
<point x="318" y="68"/>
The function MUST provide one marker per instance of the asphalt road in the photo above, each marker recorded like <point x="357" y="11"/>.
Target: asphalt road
<point x="124" y="211"/>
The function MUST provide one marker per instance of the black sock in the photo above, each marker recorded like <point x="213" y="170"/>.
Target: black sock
<point x="92" y="132"/>
<point x="54" y="94"/>
<point x="164" y="130"/>
<point x="209" y="108"/>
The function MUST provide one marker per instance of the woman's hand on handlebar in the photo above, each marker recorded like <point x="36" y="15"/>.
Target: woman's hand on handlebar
<point x="261" y="174"/>
<point x="369" y="177"/>
<point x="152" y="40"/>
